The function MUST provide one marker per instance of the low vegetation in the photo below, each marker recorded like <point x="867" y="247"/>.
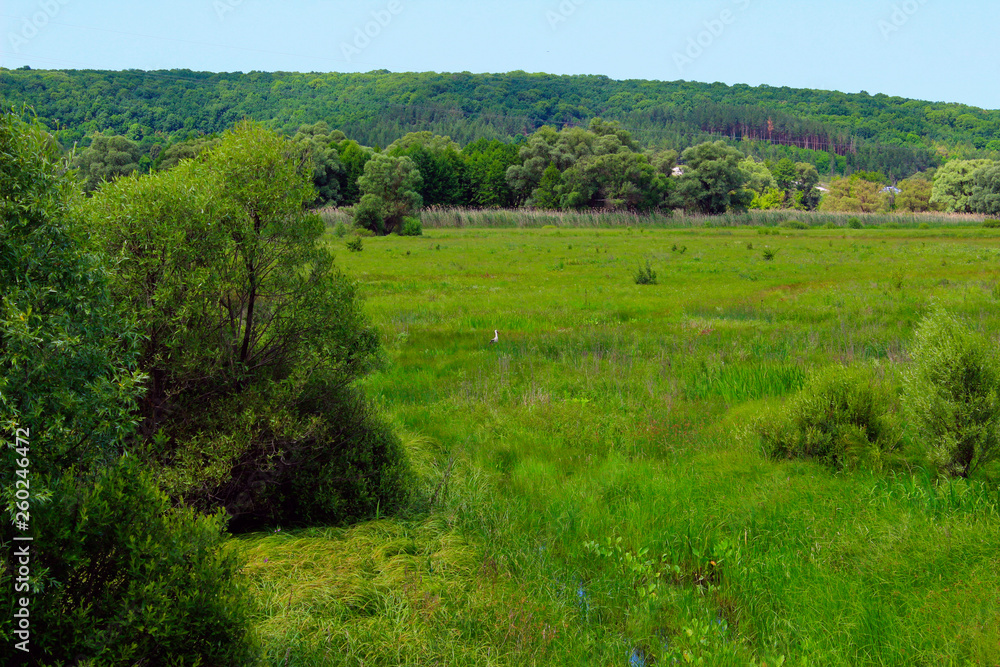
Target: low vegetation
<point x="497" y="436"/>
<point x="718" y="468"/>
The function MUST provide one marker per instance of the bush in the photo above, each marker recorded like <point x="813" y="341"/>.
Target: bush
<point x="645" y="275"/>
<point x="368" y="215"/>
<point x="951" y="394"/>
<point x="328" y="460"/>
<point x="411" y="227"/>
<point x="991" y="224"/>
<point x="795" y="224"/>
<point x="843" y="416"/>
<point x="340" y="230"/>
<point x="354" y="244"/>
<point x="139" y="582"/>
<point x="854" y="223"/>
<point x="768" y="255"/>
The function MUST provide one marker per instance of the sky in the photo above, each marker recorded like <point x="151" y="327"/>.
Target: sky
<point x="934" y="50"/>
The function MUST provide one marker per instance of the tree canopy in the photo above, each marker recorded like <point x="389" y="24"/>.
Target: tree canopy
<point x="838" y="133"/>
<point x="252" y="338"/>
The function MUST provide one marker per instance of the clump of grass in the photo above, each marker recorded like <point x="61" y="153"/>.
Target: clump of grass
<point x="354" y="244"/>
<point x="795" y="224"/>
<point x="645" y="275"/>
<point x="768" y="255"/>
<point x="744" y="382"/>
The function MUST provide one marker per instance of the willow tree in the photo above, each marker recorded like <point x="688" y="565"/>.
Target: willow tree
<point x="253" y="339"/>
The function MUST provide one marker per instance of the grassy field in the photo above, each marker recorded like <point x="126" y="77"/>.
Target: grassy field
<point x="589" y="491"/>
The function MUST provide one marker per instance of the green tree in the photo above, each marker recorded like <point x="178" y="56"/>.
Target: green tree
<point x="985" y="195"/>
<point x="954" y="182"/>
<point x="118" y="577"/>
<point x="106" y="159"/>
<point x="564" y="149"/>
<point x="784" y="174"/>
<point x="759" y="177"/>
<point x="188" y="149"/>
<point x="252" y="338"/>
<point x="353" y="158"/>
<point x="548" y="194"/>
<point x="621" y="179"/>
<point x="771" y="199"/>
<point x="713" y="180"/>
<point x="440" y="165"/>
<point x="486" y="165"/>
<point x="807" y="195"/>
<point x="317" y="145"/>
<point x="855" y="195"/>
<point x="915" y="194"/>
<point x="390" y="192"/>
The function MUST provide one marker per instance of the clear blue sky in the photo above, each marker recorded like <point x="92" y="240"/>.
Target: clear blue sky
<point x="925" y="49"/>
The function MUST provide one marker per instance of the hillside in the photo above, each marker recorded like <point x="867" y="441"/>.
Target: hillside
<point x="835" y="131"/>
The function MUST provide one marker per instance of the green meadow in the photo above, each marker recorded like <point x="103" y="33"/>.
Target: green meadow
<point x="590" y="491"/>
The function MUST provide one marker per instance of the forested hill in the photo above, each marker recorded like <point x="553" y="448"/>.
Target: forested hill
<point x="835" y="131"/>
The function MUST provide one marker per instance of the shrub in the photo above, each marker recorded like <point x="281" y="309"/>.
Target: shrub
<point x="645" y="275"/>
<point x="354" y="244"/>
<point x="139" y="582"/>
<point x="768" y="255"/>
<point x="340" y="230"/>
<point x="991" y="224"/>
<point x="329" y="459"/>
<point x="854" y="223"/>
<point x="951" y="394"/>
<point x="843" y="415"/>
<point x="795" y="224"/>
<point x="368" y="215"/>
<point x="411" y="227"/>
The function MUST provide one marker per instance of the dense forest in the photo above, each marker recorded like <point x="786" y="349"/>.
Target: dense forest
<point x="838" y="133"/>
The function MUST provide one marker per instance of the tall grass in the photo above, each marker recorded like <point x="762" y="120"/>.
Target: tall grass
<point x="586" y="492"/>
<point x="458" y="218"/>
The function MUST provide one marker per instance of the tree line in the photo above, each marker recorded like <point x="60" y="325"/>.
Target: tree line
<point x="836" y="132"/>
<point x="598" y="167"/>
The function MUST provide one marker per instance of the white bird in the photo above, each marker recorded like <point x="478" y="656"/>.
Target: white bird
<point x="496" y="337"/>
